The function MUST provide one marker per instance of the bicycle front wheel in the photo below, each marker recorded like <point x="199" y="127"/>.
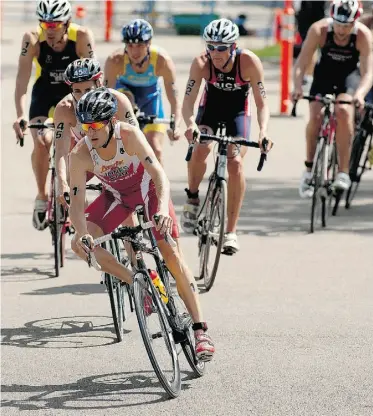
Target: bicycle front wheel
<point x="213" y="232"/>
<point x="115" y="290"/>
<point x="54" y="224"/>
<point x="148" y="305"/>
<point x="319" y="191"/>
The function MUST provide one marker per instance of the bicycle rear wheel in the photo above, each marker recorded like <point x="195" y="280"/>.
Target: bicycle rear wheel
<point x="358" y="163"/>
<point x="213" y="232"/>
<point x="179" y="313"/>
<point x="142" y="291"/>
<point x="318" y="197"/>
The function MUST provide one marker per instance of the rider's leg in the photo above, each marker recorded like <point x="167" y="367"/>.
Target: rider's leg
<point x="105" y="259"/>
<point x="196" y="170"/>
<point x="312" y="131"/>
<point x="345" y="129"/>
<point x="40" y="167"/>
<point x="155" y="138"/>
<point x="184" y="279"/>
<point x="236" y="185"/>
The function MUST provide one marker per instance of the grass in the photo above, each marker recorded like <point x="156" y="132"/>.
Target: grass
<point x="273" y="51"/>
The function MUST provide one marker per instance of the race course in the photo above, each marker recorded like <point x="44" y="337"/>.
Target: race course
<point x="291" y="314"/>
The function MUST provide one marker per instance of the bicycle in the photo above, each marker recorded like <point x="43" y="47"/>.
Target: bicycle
<point x="176" y="327"/>
<point x="57" y="216"/>
<point x="325" y="162"/>
<point x="211" y="218"/>
<point x="114" y="286"/>
<point x="361" y="146"/>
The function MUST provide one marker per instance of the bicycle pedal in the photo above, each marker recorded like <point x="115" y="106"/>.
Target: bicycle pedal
<point x="228" y="251"/>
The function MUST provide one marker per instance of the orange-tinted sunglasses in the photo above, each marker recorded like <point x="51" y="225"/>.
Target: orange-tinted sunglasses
<point x="97" y="125"/>
<point x="50" y="25"/>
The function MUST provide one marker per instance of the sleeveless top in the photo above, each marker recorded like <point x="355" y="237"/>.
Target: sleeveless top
<point x="335" y="61"/>
<point x="123" y="174"/>
<point x="51" y="65"/>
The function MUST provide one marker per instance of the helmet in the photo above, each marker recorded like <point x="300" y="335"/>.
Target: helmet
<point x="221" y="30"/>
<point x="54" y="10"/>
<point x="82" y="70"/>
<point x="137" y="31"/>
<point x="345" y="11"/>
<point x="96" y="105"/>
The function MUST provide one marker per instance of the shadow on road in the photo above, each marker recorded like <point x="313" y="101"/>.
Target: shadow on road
<point x="75" y="289"/>
<point x="64" y="332"/>
<point x="107" y="391"/>
<point x="24" y="274"/>
<point x="36" y="256"/>
<point x="272" y="208"/>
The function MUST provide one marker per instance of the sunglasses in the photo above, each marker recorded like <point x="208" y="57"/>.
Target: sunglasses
<point x="97" y="125"/>
<point x="50" y="25"/>
<point x="219" y="48"/>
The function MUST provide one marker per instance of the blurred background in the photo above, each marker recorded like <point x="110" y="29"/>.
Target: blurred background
<point x="259" y="21"/>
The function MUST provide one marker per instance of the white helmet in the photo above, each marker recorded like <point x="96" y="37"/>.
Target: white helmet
<point x="54" y="10"/>
<point x="221" y="30"/>
<point x="345" y="11"/>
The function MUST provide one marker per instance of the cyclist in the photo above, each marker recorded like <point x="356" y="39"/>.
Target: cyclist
<point x="135" y="71"/>
<point x="119" y="155"/>
<point x="229" y="73"/>
<point x="54" y="44"/>
<point x="82" y="75"/>
<point x="344" y="43"/>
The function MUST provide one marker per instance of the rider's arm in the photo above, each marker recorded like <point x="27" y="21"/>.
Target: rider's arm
<point x="366" y="62"/>
<point x="28" y="52"/>
<point x="256" y="76"/>
<point x="166" y="69"/>
<point x="77" y="198"/>
<point x="309" y="47"/>
<point x="111" y="70"/>
<point x="62" y="136"/>
<point x="85" y="43"/>
<point x="135" y="142"/>
<point x="125" y="111"/>
<point x="191" y="93"/>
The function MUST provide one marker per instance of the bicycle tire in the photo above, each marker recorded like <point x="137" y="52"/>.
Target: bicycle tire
<point x="140" y="282"/>
<point x="333" y="195"/>
<point x="116" y="295"/>
<point x="188" y="346"/>
<point x="358" y="147"/>
<point x="317" y="183"/>
<point x="217" y="206"/>
<point x="55" y="225"/>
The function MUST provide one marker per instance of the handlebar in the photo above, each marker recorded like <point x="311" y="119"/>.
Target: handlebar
<point x="228" y="140"/>
<point x="326" y="100"/>
<point x="41" y="126"/>
<point x="143" y="120"/>
<point x="94" y="187"/>
<point x="122" y="233"/>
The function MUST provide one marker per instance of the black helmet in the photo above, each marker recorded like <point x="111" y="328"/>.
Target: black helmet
<point x="137" y="31"/>
<point x="96" y="105"/>
<point x="82" y="70"/>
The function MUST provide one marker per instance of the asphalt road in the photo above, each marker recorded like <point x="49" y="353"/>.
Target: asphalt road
<point x="291" y="314"/>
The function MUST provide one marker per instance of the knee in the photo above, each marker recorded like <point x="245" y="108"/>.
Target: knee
<point x="235" y="166"/>
<point x="200" y="153"/>
<point x="74" y="246"/>
<point x="342" y="114"/>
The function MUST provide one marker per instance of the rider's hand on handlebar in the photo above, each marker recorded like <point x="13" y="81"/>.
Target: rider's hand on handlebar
<point x="174" y="135"/>
<point x="359" y="101"/>
<point x="297" y="94"/>
<point x="268" y="145"/>
<point x="164" y="223"/>
<point x="63" y="189"/>
<point x="17" y="127"/>
<point x="189" y="133"/>
<point x="86" y="243"/>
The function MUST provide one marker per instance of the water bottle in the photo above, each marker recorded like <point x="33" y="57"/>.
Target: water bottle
<point x="157" y="282"/>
